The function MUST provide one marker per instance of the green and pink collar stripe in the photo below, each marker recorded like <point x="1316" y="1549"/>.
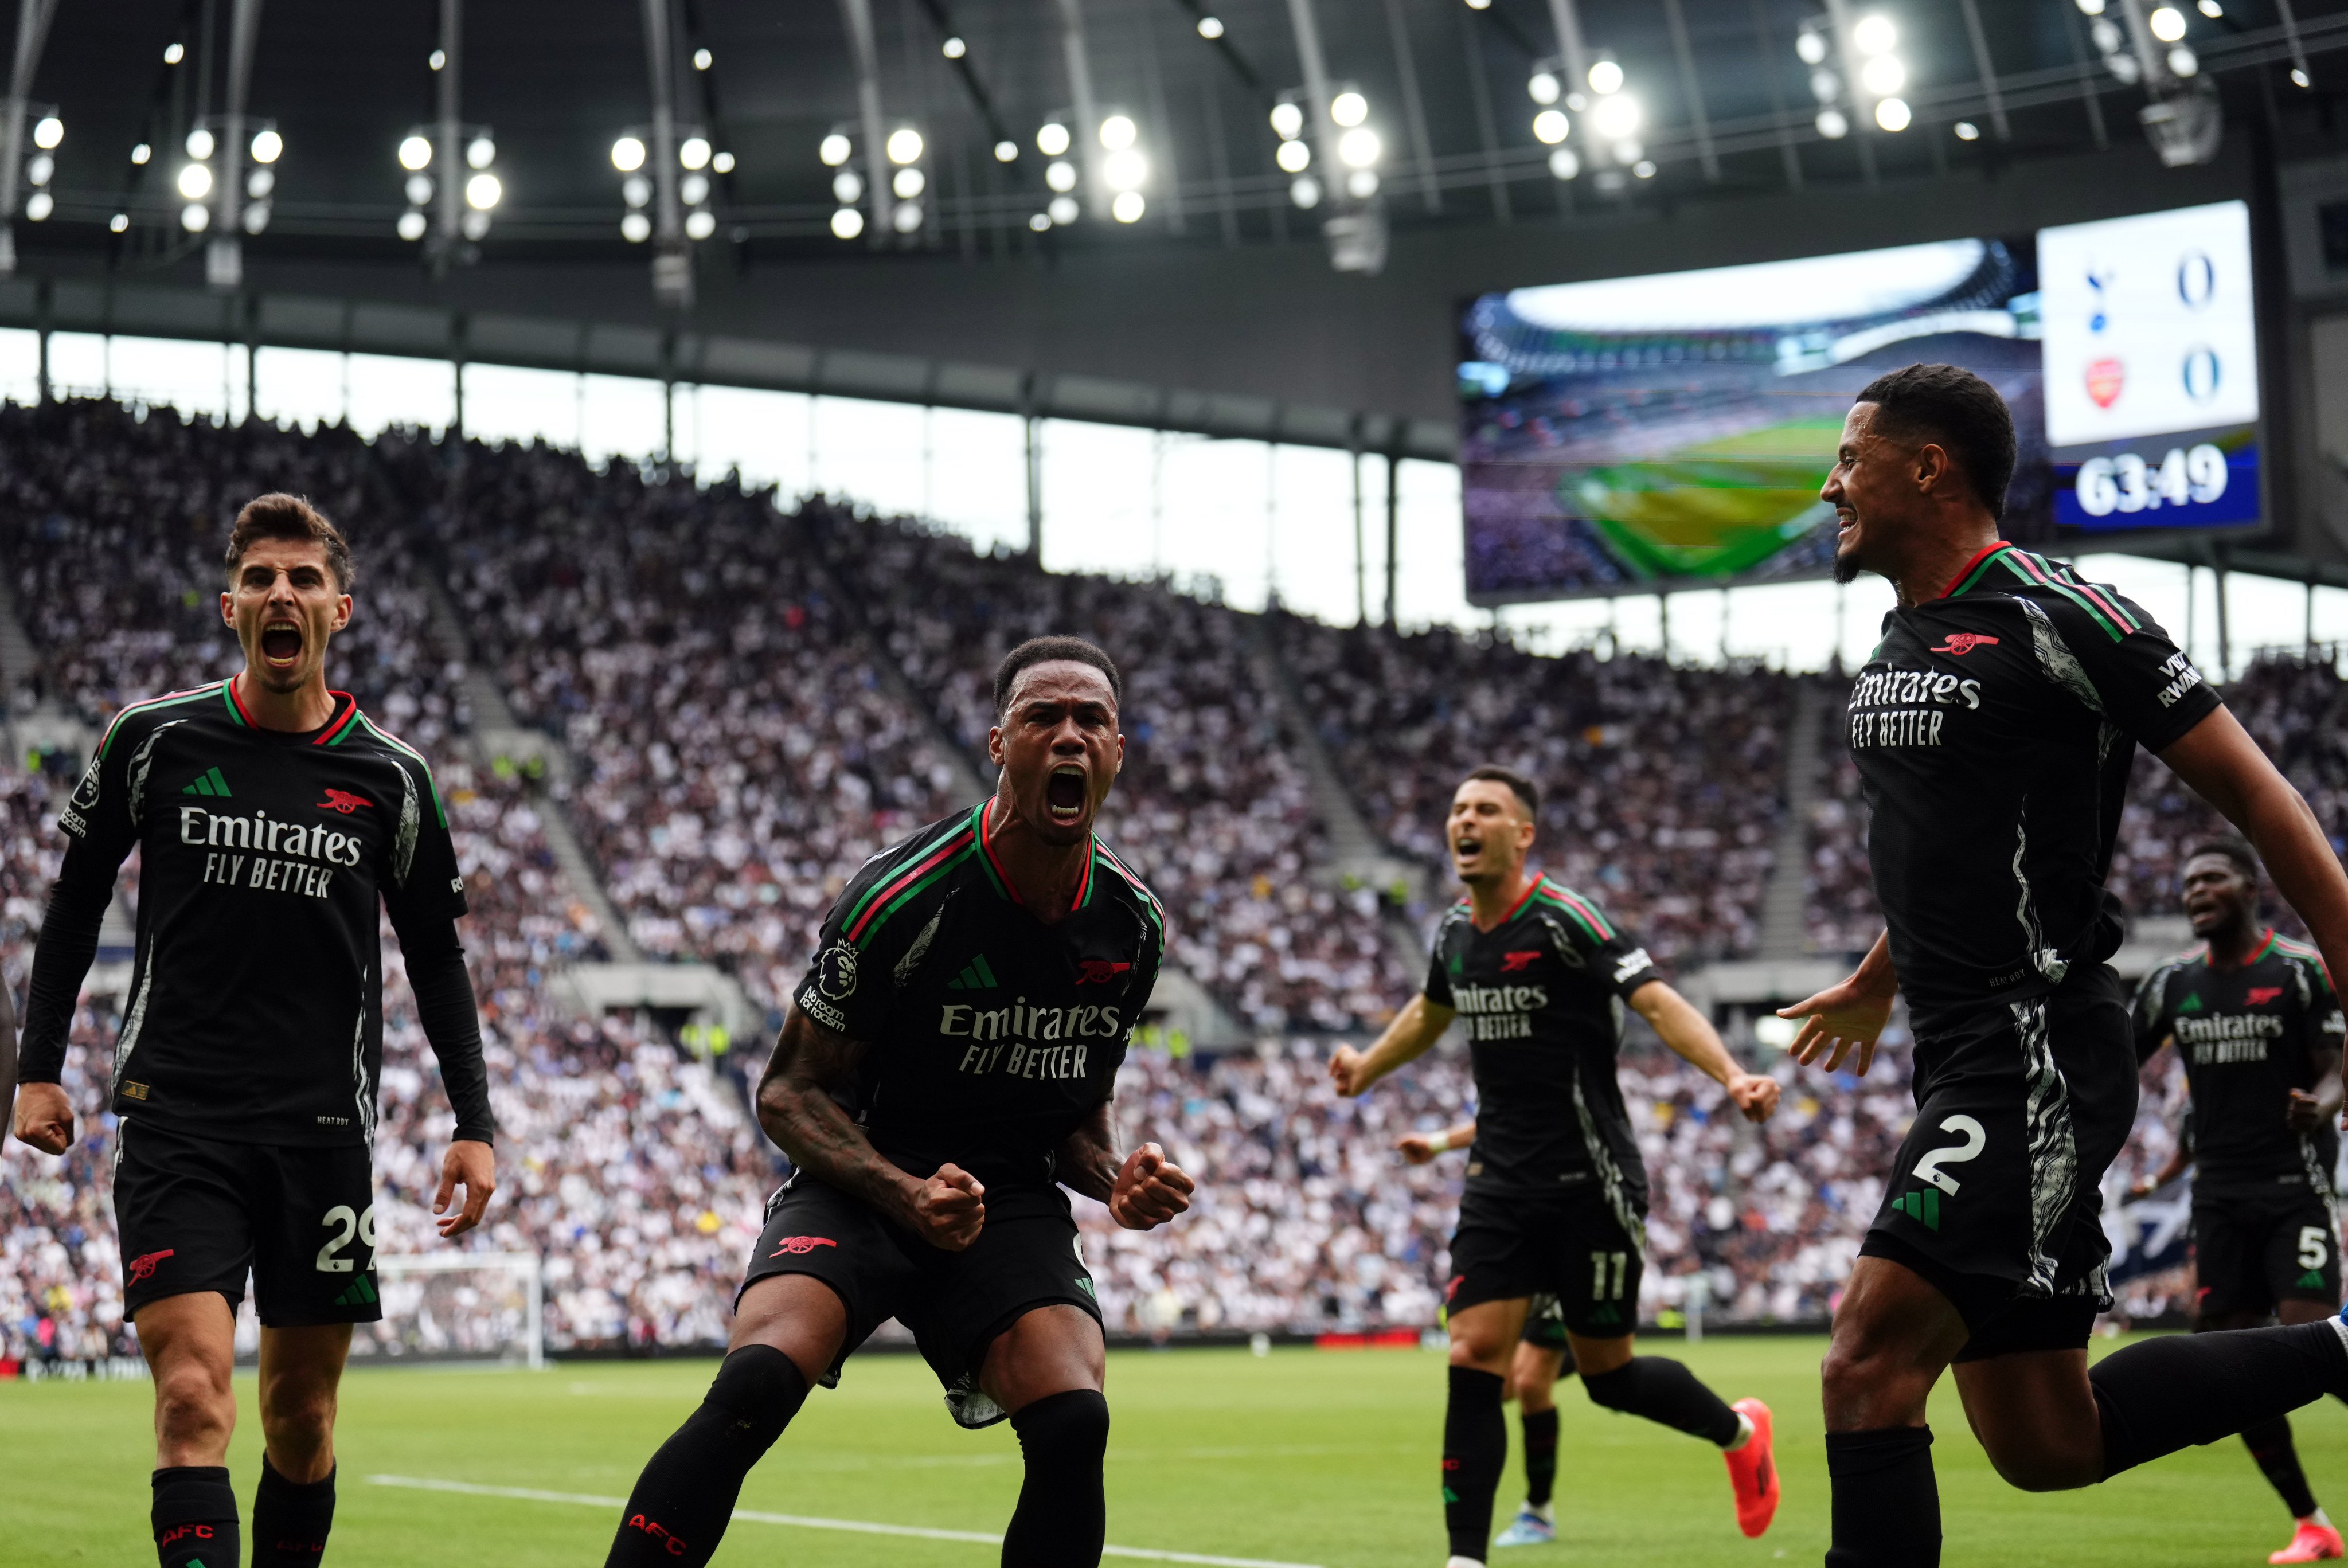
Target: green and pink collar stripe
<point x="886" y="894"/>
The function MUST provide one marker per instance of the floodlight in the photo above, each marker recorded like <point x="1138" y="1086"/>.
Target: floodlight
<point x="1305" y="191"/>
<point x="1479" y="5"/>
<point x="1645" y="169"/>
<point x="254" y="218"/>
<point x="1564" y="163"/>
<point x="1210" y="27"/>
<point x="846" y="224"/>
<point x="904" y="145"/>
<point x="635" y="190"/>
<point x="1063" y="210"/>
<point x="1294" y="157"/>
<point x="1127" y="207"/>
<point x="1039" y="222"/>
<point x="635" y="228"/>
<point x="1118" y="132"/>
<point x="141" y="153"/>
<point x="2167" y="24"/>
<point x="474" y="225"/>
<point x="39" y="168"/>
<point x="195" y="182"/>
<point x="1892" y="114"/>
<point x="39" y="205"/>
<point x="723" y="163"/>
<point x="1627" y="151"/>
<point x="48" y="131"/>
<point x="195" y="217"/>
<point x="703" y="60"/>
<point x="1832" y="125"/>
<point x="1359" y="147"/>
<point x="692" y="152"/>
<point x="1606" y="76"/>
<point x="1967" y="130"/>
<point x="1052" y="138"/>
<point x="416" y="152"/>
<point x="1616" y="116"/>
<point x="908" y="184"/>
<point x="1362" y="184"/>
<point x="2091" y="7"/>
<point x="173" y="53"/>
<point x="846" y="188"/>
<point x="480" y="152"/>
<point x="2299" y="78"/>
<point x="1007" y="152"/>
<point x="437" y="59"/>
<point x="200" y="144"/>
<point x="1060" y="175"/>
<point x="1551" y="127"/>
<point x="411" y="225"/>
<point x="700" y="223"/>
<point x="1884" y="75"/>
<point x="1287" y="121"/>
<point x="1874" y="34"/>
<point x="267" y="147"/>
<point x="1812" y="48"/>
<point x="834" y="150"/>
<point x="905" y="217"/>
<point x="482" y="191"/>
<point x="2183" y="62"/>
<point x="119" y="223"/>
<point x="260" y="183"/>
<point x="694" y="188"/>
<point x="2209" y="8"/>
<point x="1126" y="171"/>
<point x="1825" y="86"/>
<point x="419" y="189"/>
<point x="628" y="154"/>
<point x="1544" y="88"/>
<point x="1349" y="109"/>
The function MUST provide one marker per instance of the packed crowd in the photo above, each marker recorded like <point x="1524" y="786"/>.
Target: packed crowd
<point x="1663" y="784"/>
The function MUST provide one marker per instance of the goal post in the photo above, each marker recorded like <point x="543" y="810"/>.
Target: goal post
<point x="455" y="1306"/>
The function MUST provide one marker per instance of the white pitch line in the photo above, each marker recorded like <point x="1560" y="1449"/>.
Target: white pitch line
<point x="855" y="1526"/>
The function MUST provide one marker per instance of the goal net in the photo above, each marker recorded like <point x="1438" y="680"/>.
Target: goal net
<point x="455" y="1306"/>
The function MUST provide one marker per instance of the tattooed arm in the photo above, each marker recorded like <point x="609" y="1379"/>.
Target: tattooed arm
<point x="798" y="1109"/>
<point x="1143" y="1191"/>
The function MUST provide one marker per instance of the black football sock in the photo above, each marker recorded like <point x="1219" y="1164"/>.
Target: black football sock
<point x="1062" y="1517"/>
<point x="1886" y="1506"/>
<point x="1475" y="1450"/>
<point x="290" y="1520"/>
<point x="195" y="1518"/>
<point x="1662" y="1390"/>
<point x="2168" y="1393"/>
<point x="678" y="1511"/>
<point x="2270" y="1443"/>
<point x="1540" y="1456"/>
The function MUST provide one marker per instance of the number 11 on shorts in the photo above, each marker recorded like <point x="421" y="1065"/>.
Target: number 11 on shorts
<point x="1598" y="1260"/>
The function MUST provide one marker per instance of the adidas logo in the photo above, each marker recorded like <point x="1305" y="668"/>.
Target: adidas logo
<point x="1923" y="1205"/>
<point x="208" y="782"/>
<point x="1605" y="1314"/>
<point x="2311" y="1280"/>
<point x="2191" y="1004"/>
<point x="974" y="977"/>
<point x="361" y="1293"/>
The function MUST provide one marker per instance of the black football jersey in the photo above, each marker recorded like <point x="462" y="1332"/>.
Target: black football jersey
<point x="2248" y="1036"/>
<point x="1542" y="997"/>
<point x="254" y="1011"/>
<point x="989" y="1036"/>
<point x="1994" y="730"/>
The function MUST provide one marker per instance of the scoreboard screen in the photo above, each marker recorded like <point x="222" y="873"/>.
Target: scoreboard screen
<point x="1673" y="429"/>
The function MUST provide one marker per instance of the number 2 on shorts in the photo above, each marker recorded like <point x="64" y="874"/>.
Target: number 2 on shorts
<point x="1975" y="1140"/>
<point x="361" y="1226"/>
<point x="1598" y="1273"/>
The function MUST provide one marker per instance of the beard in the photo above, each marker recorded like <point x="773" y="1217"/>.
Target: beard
<point x="1846" y="566"/>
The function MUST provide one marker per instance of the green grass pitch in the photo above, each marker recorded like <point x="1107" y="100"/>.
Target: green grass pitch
<point x="1301" y="1457"/>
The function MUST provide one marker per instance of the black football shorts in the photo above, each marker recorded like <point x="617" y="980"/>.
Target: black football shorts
<point x="2254" y="1250"/>
<point x="1545" y="1325"/>
<point x="1574" y="1249"/>
<point x="1027" y="1256"/>
<point x="196" y="1214"/>
<point x="1993" y="1197"/>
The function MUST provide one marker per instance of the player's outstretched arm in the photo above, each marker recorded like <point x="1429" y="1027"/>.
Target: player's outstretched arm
<point x="2225" y="766"/>
<point x="61" y="961"/>
<point x="798" y="1109"/>
<point x="1414" y="1031"/>
<point x="1418" y="1148"/>
<point x="2178" y="1159"/>
<point x="451" y="1021"/>
<point x="1691" y="1035"/>
<point x="1848" y="1017"/>
<point x="1143" y="1191"/>
<point x="8" y="1051"/>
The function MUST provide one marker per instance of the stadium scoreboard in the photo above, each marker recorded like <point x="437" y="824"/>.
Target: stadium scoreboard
<point x="1674" y="428"/>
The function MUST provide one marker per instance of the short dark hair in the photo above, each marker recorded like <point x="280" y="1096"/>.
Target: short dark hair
<point x="1524" y="788"/>
<point x="281" y="516"/>
<point x="2226" y="845"/>
<point x="1048" y="651"/>
<point x="1957" y="411"/>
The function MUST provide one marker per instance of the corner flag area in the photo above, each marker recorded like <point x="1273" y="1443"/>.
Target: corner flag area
<point x="1303" y="1459"/>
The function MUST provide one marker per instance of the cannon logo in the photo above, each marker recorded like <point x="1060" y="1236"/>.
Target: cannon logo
<point x="2260" y="996"/>
<point x="143" y="1268"/>
<point x="343" y="800"/>
<point x="1099" y="971"/>
<point x="792" y="1246"/>
<point x="1961" y="643"/>
<point x="1517" y="963"/>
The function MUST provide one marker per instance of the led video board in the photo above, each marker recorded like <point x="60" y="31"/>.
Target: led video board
<point x="1674" y="428"/>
